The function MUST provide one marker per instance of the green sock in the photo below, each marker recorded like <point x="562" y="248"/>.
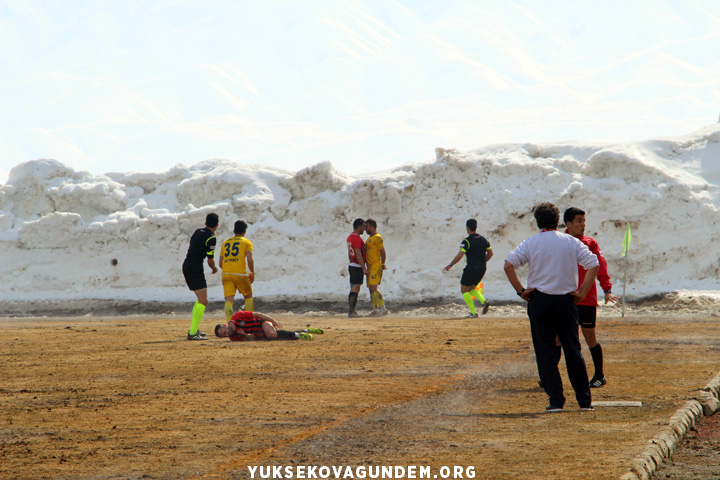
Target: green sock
<point x="374" y="299"/>
<point x="249" y="305"/>
<point x="469" y="300"/>
<point x="477" y="294"/>
<point x="197" y="314"/>
<point x="380" y="301"/>
<point x="228" y="310"/>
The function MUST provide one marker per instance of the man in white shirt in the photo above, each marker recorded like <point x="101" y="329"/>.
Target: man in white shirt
<point x="552" y="291"/>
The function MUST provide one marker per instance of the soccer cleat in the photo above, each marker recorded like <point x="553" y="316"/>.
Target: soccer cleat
<point x="318" y="331"/>
<point x="196" y="336"/>
<point x="353" y="314"/>
<point x="588" y="408"/>
<point x="553" y="409"/>
<point x="485" y="306"/>
<point x="597" y="382"/>
<point x="471" y="315"/>
<point x="383" y="311"/>
<point x="202" y="334"/>
<point x="375" y="313"/>
<point x="305" y="336"/>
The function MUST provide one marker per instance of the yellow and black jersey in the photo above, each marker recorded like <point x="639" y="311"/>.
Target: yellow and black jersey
<point x="475" y="247"/>
<point x="202" y="244"/>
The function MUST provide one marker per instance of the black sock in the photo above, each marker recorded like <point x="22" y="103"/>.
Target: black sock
<point x="597" y="357"/>
<point x="285" y="335"/>
<point x="352" y="300"/>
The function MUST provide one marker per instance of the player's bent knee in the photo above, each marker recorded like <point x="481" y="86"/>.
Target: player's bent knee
<point x="269" y="329"/>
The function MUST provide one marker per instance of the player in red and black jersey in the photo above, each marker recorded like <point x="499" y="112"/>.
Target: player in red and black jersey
<point x="202" y="245"/>
<point x="358" y="264"/>
<point x="245" y="325"/>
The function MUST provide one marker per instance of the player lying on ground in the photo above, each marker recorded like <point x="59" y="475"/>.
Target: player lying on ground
<point x="258" y="326"/>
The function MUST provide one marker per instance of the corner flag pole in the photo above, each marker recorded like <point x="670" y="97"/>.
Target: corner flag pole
<point x="625" y="251"/>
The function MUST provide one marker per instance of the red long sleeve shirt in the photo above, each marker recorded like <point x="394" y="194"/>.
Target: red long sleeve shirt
<point x="591" y="298"/>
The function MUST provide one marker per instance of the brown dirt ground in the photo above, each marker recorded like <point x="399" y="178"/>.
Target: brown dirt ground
<point x="129" y="398"/>
<point x="698" y="456"/>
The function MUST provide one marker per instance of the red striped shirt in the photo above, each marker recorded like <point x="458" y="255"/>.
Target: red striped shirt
<point x="248" y="323"/>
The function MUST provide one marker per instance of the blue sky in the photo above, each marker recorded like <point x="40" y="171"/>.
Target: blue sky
<point x="129" y="85"/>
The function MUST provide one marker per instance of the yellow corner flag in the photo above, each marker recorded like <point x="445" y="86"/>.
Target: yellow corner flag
<point x="626" y="240"/>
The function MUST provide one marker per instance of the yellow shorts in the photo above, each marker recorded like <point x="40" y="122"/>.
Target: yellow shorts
<point x="374" y="276"/>
<point x="240" y="283"/>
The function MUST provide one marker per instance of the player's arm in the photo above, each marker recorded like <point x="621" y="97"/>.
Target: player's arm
<point x="488" y="254"/>
<point x="267" y="318"/>
<point x="587" y="284"/>
<point x="250" y="265"/>
<point x="515" y="281"/>
<point x="361" y="260"/>
<point x="211" y="264"/>
<point x="211" y="254"/>
<point x="603" y="277"/>
<point x="382" y="257"/>
<point x="455" y="260"/>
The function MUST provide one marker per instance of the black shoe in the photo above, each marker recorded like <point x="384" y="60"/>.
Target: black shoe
<point x="597" y="382"/>
<point x="588" y="408"/>
<point x="553" y="409"/>
<point x="197" y="336"/>
<point x="485" y="306"/>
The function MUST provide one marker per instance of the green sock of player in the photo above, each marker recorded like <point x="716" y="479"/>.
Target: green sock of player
<point x="228" y="310"/>
<point x="380" y="301"/>
<point x="197" y="314"/>
<point x="374" y="299"/>
<point x="477" y="294"/>
<point x="469" y="300"/>
<point x="249" y="305"/>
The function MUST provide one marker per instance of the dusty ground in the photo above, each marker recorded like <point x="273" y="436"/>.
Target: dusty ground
<point x="698" y="456"/>
<point x="128" y="398"/>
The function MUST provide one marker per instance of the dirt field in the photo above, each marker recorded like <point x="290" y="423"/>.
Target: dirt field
<point x="698" y="456"/>
<point x="129" y="398"/>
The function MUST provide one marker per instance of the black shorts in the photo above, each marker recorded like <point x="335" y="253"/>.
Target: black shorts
<point x="356" y="275"/>
<point x="194" y="277"/>
<point x="587" y="316"/>
<point x="472" y="276"/>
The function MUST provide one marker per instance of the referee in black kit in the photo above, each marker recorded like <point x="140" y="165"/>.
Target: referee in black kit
<point x="551" y="293"/>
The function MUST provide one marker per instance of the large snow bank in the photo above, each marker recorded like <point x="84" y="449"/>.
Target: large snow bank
<point x="68" y="234"/>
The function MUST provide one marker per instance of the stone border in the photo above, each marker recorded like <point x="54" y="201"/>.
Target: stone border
<point x="663" y="445"/>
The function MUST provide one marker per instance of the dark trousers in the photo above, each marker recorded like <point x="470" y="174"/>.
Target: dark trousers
<point x="552" y="315"/>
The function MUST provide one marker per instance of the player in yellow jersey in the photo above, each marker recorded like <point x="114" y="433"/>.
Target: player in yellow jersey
<point x="238" y="268"/>
<point x="375" y="254"/>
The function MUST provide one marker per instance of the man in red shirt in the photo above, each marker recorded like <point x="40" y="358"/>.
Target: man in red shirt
<point x="587" y="308"/>
<point x="358" y="265"/>
<point x="244" y="325"/>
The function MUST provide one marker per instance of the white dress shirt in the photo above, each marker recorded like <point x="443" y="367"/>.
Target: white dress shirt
<point x="553" y="258"/>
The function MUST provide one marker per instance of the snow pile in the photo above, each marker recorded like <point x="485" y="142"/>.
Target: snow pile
<point x="67" y="234"/>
